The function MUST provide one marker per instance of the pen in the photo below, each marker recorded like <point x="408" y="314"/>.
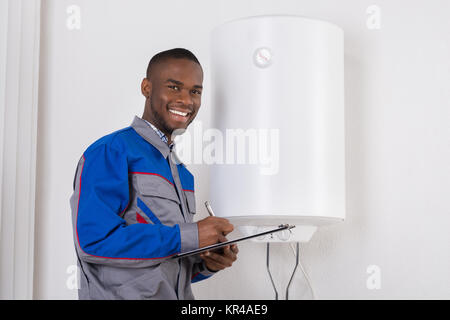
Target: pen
<point x="210" y="211"/>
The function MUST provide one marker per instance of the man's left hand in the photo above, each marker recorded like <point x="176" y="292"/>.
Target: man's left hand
<point x="218" y="261"/>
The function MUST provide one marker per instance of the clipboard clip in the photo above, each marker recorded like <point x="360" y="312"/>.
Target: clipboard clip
<point x="287" y="226"/>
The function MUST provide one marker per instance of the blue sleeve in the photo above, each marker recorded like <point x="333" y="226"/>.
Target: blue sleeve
<point x="101" y="235"/>
<point x="201" y="272"/>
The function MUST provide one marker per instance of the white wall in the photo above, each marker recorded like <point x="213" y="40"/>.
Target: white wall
<point x="397" y="135"/>
<point x="19" y="73"/>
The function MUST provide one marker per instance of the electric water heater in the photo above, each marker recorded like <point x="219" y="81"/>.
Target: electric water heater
<point x="278" y="100"/>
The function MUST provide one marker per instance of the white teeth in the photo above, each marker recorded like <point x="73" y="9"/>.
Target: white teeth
<point x="184" y="114"/>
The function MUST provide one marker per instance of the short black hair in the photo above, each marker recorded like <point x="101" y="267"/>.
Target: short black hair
<point x="176" y="53"/>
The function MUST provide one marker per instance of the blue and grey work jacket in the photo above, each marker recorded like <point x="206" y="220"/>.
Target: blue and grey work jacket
<point x="132" y="209"/>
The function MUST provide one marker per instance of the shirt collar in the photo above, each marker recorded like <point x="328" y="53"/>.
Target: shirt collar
<point x="146" y="131"/>
<point x="160" y="134"/>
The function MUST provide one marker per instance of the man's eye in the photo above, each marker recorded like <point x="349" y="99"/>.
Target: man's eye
<point x="196" y="92"/>
<point x="174" y="87"/>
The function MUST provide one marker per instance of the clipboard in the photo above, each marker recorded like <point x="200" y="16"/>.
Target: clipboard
<point x="216" y="246"/>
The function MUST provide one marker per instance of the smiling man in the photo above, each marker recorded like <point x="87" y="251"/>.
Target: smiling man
<point x="133" y="206"/>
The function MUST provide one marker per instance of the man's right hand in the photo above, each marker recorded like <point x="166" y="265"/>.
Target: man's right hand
<point x="211" y="230"/>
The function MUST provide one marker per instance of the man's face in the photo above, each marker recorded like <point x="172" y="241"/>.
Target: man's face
<point x="173" y="94"/>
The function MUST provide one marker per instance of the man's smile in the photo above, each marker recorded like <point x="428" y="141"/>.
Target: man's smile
<point x="179" y="115"/>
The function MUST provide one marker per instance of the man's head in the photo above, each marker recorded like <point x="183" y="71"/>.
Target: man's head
<point x="173" y="88"/>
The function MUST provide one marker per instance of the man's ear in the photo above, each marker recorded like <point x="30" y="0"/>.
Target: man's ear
<point x="146" y="88"/>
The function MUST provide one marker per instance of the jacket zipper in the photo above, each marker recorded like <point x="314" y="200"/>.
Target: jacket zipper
<point x="181" y="208"/>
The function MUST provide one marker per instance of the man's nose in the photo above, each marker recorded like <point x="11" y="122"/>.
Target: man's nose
<point x="185" y="98"/>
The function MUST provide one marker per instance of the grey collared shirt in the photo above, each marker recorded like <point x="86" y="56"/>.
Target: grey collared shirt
<point x="160" y="133"/>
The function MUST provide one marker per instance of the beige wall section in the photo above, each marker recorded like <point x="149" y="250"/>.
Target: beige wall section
<point x="397" y="82"/>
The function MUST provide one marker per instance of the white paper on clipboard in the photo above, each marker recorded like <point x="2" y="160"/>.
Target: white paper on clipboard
<point x="226" y="243"/>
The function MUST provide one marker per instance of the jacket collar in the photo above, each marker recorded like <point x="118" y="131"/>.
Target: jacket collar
<point x="146" y="132"/>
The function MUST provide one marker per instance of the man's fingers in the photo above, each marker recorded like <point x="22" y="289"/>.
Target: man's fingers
<point x="213" y="265"/>
<point x="222" y="238"/>
<point x="217" y="263"/>
<point x="212" y="260"/>
<point x="225" y="226"/>
<point x="220" y="261"/>
<point x="226" y="259"/>
<point x="210" y="228"/>
<point x="231" y="251"/>
<point x="229" y="228"/>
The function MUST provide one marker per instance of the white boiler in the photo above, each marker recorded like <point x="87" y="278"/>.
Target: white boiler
<point x="278" y="101"/>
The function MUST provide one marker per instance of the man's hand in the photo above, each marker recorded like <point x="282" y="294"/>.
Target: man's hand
<point x="213" y="230"/>
<point x="216" y="261"/>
